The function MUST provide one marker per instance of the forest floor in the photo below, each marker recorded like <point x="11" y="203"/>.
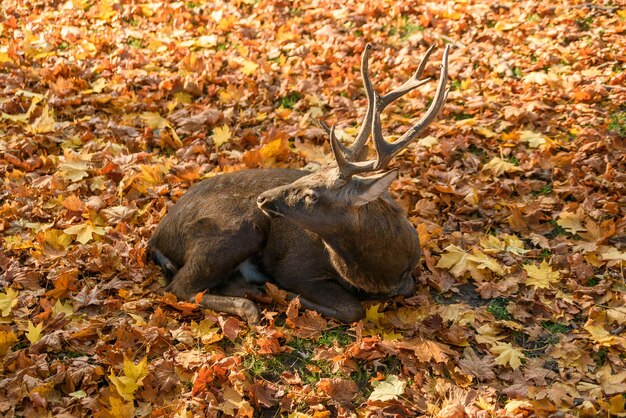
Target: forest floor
<point x="111" y="110"/>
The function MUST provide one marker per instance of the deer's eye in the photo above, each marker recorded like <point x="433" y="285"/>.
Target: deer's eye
<point x="311" y="197"/>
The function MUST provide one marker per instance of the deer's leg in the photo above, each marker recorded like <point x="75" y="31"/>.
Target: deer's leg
<point x="329" y="298"/>
<point x="210" y="261"/>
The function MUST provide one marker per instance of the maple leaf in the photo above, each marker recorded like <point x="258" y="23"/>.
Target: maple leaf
<point x="44" y="123"/>
<point x="541" y="277"/>
<point x="611" y="383"/>
<point x="571" y="222"/>
<point x="133" y="377"/>
<point x="428" y="141"/>
<point x="499" y="166"/>
<point x="33" y="332"/>
<point x="456" y="260"/>
<point x="206" y="331"/>
<point x="341" y="390"/>
<point x="485" y="262"/>
<point x="611" y="253"/>
<point x="615" y="406"/>
<point x="65" y="308"/>
<point x="248" y="67"/>
<point x="233" y="402"/>
<point x="507" y="354"/>
<point x="84" y="232"/>
<point x="386" y="390"/>
<point x="121" y="409"/>
<point x="74" y="170"/>
<point x="7" y="339"/>
<point x="488" y="334"/>
<point x="221" y="135"/>
<point x="617" y="314"/>
<point x="206" y="41"/>
<point x="156" y="121"/>
<point x="8" y="300"/>
<point x="373" y="315"/>
<point x="481" y="367"/>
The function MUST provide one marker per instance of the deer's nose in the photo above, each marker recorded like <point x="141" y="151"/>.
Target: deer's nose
<point x="260" y="200"/>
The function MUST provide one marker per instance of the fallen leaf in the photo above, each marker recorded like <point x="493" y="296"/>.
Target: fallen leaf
<point x="386" y="390"/>
<point x="507" y="355"/>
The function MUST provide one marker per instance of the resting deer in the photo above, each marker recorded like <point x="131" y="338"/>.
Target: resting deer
<point x="332" y="237"/>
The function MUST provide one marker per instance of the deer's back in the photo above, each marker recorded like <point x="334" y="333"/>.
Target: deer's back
<point x="219" y="205"/>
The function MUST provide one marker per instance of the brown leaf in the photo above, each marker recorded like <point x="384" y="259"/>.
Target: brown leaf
<point x="340" y="390"/>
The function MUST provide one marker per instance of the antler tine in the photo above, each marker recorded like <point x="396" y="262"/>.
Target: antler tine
<point x="330" y="132"/>
<point x="356" y="150"/>
<point x="411" y="84"/>
<point x="385" y="150"/>
<point x="346" y="168"/>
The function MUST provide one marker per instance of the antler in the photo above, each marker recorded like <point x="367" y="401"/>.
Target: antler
<point x="349" y="158"/>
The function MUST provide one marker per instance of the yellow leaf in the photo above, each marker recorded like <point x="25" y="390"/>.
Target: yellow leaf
<point x="372" y="314"/>
<point x="507" y="354"/>
<point x="8" y="300"/>
<point x="33" y="332"/>
<point x="456" y="261"/>
<point x="249" y="67"/>
<point x="499" y="166"/>
<point x="611" y="253"/>
<point x="4" y="56"/>
<point x="389" y="389"/>
<point x="57" y="239"/>
<point x="221" y="135"/>
<point x="572" y="222"/>
<point x="125" y="386"/>
<point x="138" y="371"/>
<point x="518" y="407"/>
<point x="7" y="339"/>
<point x="133" y="377"/>
<point x="206" y="331"/>
<point x="514" y="244"/>
<point x="84" y="232"/>
<point x="488" y="334"/>
<point x="44" y="123"/>
<point x="156" y="121"/>
<point x="121" y="409"/>
<point x="615" y="406"/>
<point x="105" y="10"/>
<point x="98" y="85"/>
<point x="617" y="314"/>
<point x="206" y="41"/>
<point x="65" y="308"/>
<point x="541" y="277"/>
<point x="273" y="149"/>
<point x="534" y="139"/>
<point x="483" y="261"/>
<point x="73" y="170"/>
<point x="611" y="383"/>
<point x="492" y="244"/>
<point x="485" y="132"/>
<point x="428" y="141"/>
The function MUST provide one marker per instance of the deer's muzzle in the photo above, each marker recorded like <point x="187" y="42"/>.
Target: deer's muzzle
<point x="267" y="206"/>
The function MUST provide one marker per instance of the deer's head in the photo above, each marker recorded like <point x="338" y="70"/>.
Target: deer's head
<point x="334" y="195"/>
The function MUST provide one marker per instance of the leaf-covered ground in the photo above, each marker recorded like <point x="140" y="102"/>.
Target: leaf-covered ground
<point x="111" y="109"/>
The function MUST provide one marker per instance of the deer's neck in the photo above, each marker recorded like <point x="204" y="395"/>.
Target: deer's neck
<point x="377" y="250"/>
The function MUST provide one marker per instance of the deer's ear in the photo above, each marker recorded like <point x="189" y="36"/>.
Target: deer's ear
<point x="371" y="188"/>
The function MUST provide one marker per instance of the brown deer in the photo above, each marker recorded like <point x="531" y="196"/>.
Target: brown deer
<point x="332" y="237"/>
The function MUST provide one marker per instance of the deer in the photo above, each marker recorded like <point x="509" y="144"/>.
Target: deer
<point x="333" y="237"/>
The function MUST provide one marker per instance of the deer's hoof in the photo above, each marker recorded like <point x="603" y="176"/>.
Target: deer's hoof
<point x="250" y="312"/>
